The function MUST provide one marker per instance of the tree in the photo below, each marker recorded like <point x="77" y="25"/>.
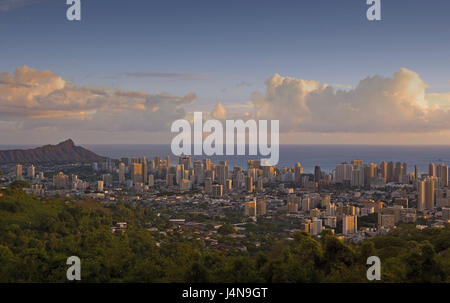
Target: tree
<point x="19" y="184"/>
<point x="197" y="273"/>
<point x="226" y="229"/>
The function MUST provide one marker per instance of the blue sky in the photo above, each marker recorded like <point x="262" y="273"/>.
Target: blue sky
<point x="225" y="50"/>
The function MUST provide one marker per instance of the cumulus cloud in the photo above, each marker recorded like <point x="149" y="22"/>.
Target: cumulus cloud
<point x="439" y="99"/>
<point x="376" y="104"/>
<point x="219" y="112"/>
<point x="35" y="98"/>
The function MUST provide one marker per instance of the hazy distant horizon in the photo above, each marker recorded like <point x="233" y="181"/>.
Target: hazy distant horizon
<point x="326" y="156"/>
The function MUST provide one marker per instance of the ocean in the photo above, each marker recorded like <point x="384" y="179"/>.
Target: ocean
<point x="326" y="156"/>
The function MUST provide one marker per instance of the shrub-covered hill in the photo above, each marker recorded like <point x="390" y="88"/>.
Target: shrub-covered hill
<point x="37" y="235"/>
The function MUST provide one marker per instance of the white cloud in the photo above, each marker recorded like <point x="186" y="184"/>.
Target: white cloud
<point x="35" y="98"/>
<point x="219" y="112"/>
<point x="376" y="104"/>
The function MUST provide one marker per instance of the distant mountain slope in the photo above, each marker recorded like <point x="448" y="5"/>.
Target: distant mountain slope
<point x="64" y="152"/>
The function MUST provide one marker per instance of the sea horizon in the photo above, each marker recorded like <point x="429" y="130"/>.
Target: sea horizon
<point x="327" y="156"/>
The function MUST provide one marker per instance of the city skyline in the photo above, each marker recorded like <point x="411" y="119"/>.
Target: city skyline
<point x="124" y="75"/>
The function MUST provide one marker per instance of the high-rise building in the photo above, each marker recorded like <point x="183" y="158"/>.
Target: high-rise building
<point x="357" y="178"/>
<point x="250" y="208"/>
<point x="390" y="171"/>
<point x="151" y="180"/>
<point x="228" y="185"/>
<point x="185" y="185"/>
<point x="208" y="186"/>
<point x="386" y="220"/>
<point x="121" y="173"/>
<point x="207" y="164"/>
<point x="186" y="161"/>
<point x="261" y="207"/>
<point x="446" y="213"/>
<point x="343" y="173"/>
<point x="222" y="173"/>
<point x="157" y="161"/>
<point x="357" y="163"/>
<point x="61" y="180"/>
<point x="136" y="171"/>
<point x="398" y="172"/>
<point x="325" y="200"/>
<point x="168" y="161"/>
<point x="349" y="224"/>
<point x="249" y="184"/>
<point x="370" y="171"/>
<point x="180" y="173"/>
<point x="306" y="203"/>
<point x="19" y="171"/>
<point x="170" y="179"/>
<point x="421" y="195"/>
<point x="442" y="174"/>
<point x="404" y="176"/>
<point x="298" y="171"/>
<point x="31" y="171"/>
<point x="429" y="193"/>
<point x="401" y="201"/>
<point x="199" y="171"/>
<point x="259" y="185"/>
<point x="316" y="226"/>
<point x="144" y="170"/>
<point x="217" y="190"/>
<point x="100" y="185"/>
<point x="293" y="202"/>
<point x="317" y="174"/>
<point x="383" y="171"/>
<point x="431" y="170"/>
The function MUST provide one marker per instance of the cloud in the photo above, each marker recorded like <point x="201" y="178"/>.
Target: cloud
<point x="219" y="112"/>
<point x="34" y="98"/>
<point x="376" y="104"/>
<point x="441" y="100"/>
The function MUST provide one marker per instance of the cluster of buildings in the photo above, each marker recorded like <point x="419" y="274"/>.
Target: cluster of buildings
<point x="355" y="200"/>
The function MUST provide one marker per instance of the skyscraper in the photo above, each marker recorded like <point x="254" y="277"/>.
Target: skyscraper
<point x="144" y="170"/>
<point x="261" y="206"/>
<point x="343" y="174"/>
<point x="429" y="193"/>
<point x="19" y="172"/>
<point x="122" y="173"/>
<point x="31" y="171"/>
<point x="250" y="209"/>
<point x="442" y="174"/>
<point x="390" y="171"/>
<point x="317" y="173"/>
<point x="298" y="171"/>
<point x="383" y="171"/>
<point x="208" y="186"/>
<point x="349" y="224"/>
<point x="431" y="170"/>
<point x="293" y="202"/>
<point x="420" y="195"/>
<point x="136" y="171"/>
<point x="249" y="184"/>
<point x="398" y="172"/>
